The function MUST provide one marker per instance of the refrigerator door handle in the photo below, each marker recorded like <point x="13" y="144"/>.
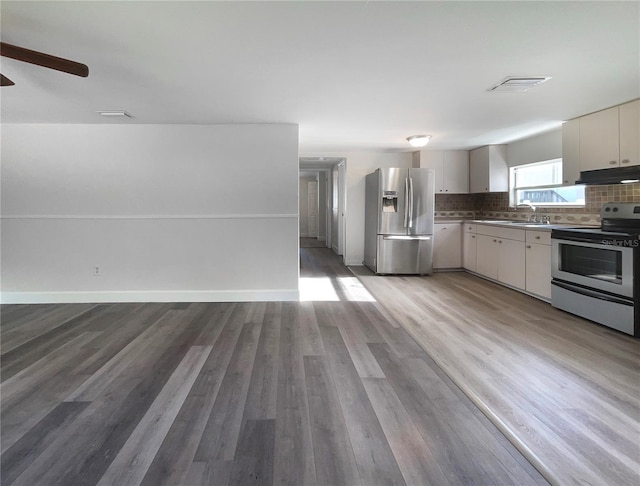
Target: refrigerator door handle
<point x="406" y="202"/>
<point x="407" y="237"/>
<point x="410" y="202"/>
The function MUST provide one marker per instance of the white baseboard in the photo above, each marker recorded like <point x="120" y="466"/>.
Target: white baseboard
<point x="353" y="263"/>
<point x="149" y="296"/>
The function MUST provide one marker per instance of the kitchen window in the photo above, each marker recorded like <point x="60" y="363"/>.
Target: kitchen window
<point x="540" y="184"/>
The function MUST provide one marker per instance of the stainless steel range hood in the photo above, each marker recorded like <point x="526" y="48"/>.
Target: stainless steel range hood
<point x="617" y="175"/>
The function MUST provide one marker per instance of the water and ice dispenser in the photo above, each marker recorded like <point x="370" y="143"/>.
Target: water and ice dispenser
<point x="389" y="202"/>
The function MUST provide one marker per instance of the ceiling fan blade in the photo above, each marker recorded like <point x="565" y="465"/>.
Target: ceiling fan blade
<point x="4" y="81"/>
<point x="44" y="60"/>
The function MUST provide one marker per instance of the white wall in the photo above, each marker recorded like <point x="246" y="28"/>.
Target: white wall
<point x="546" y="146"/>
<point x="168" y="212"/>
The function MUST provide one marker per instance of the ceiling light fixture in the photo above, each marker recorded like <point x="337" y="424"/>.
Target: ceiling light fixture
<point x="629" y="181"/>
<point x="419" y="140"/>
<point x="115" y="114"/>
<point x="519" y="83"/>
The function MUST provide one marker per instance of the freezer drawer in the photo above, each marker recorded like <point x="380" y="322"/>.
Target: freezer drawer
<point x="404" y="254"/>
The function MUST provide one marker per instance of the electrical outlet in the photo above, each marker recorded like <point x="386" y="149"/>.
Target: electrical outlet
<point x="96" y="271"/>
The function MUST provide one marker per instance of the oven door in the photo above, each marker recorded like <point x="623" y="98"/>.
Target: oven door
<point x="595" y="265"/>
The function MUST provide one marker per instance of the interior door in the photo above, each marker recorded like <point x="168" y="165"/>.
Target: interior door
<point x="422" y="185"/>
<point x="312" y="191"/>
<point x="393" y="189"/>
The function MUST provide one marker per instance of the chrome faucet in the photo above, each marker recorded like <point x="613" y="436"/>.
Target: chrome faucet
<point x="533" y="218"/>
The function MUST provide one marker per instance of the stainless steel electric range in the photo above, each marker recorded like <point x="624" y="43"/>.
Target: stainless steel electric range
<point x="595" y="271"/>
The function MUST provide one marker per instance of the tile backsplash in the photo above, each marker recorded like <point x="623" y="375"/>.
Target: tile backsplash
<point x="496" y="205"/>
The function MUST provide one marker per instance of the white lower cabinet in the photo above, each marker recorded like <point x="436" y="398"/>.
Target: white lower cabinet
<point x="447" y="246"/>
<point x="511" y="262"/>
<point x="469" y="249"/>
<point x="515" y="257"/>
<point x="500" y="255"/>
<point x="538" y="264"/>
<point x="487" y="256"/>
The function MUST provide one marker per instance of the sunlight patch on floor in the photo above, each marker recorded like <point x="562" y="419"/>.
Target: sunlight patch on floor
<point x="325" y="289"/>
<point x="317" y="289"/>
<point x="354" y="290"/>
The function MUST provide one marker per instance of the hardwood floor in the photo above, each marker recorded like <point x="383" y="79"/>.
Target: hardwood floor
<point x="326" y="391"/>
<point x="312" y="243"/>
<point x="565" y="390"/>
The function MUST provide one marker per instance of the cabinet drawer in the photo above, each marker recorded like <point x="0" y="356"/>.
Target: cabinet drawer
<point x="501" y="232"/>
<point x="542" y="237"/>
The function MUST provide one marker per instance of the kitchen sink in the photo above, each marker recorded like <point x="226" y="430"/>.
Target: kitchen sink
<point x="524" y="223"/>
<point x="496" y="221"/>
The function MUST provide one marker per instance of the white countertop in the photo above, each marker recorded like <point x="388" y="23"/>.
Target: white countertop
<point x="520" y="224"/>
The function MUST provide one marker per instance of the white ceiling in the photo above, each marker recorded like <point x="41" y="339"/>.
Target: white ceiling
<point x="353" y="75"/>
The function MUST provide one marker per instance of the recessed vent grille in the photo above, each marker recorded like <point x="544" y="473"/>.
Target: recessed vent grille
<point x="519" y="83"/>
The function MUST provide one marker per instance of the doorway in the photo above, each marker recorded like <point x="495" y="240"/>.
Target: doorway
<point x="322" y="195"/>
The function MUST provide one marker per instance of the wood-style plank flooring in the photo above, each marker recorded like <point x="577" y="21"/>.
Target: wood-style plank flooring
<point x="566" y="390"/>
<point x="327" y="391"/>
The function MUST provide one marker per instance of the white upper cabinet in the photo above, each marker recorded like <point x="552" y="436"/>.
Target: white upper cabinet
<point x="599" y="144"/>
<point x="455" y="172"/>
<point x="571" y="152"/>
<point x="629" y="119"/>
<point x="607" y="138"/>
<point x="451" y="168"/>
<point x="488" y="170"/>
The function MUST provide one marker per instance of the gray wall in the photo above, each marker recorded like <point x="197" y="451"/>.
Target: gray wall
<point x="167" y="212"/>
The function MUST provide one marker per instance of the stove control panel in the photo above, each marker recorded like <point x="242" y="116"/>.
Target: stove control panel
<point x="620" y="211"/>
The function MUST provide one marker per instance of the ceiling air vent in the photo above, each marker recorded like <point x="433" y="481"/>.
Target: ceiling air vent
<point x="519" y="83"/>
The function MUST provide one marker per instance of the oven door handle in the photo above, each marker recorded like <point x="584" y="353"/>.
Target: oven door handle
<point x="576" y="239"/>
<point x="590" y="293"/>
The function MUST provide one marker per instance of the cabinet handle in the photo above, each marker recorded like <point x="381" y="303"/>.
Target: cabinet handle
<point x="537" y="237"/>
<point x="473" y="236"/>
<point x="624" y="161"/>
<point x="528" y="246"/>
<point x="612" y="162"/>
<point x="495" y="241"/>
<point x="500" y="241"/>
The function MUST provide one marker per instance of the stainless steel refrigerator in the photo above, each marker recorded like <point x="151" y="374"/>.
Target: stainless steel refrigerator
<point x="399" y="212"/>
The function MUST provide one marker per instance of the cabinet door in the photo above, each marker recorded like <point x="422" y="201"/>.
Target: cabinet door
<point x="469" y="251"/>
<point x="630" y="134"/>
<point x="432" y="159"/>
<point x="498" y="169"/>
<point x="487" y="256"/>
<point x="447" y="251"/>
<point x="571" y="152"/>
<point x="538" y="269"/>
<point x="511" y="263"/>
<point x="479" y="170"/>
<point x="455" y="172"/>
<point x="599" y="144"/>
